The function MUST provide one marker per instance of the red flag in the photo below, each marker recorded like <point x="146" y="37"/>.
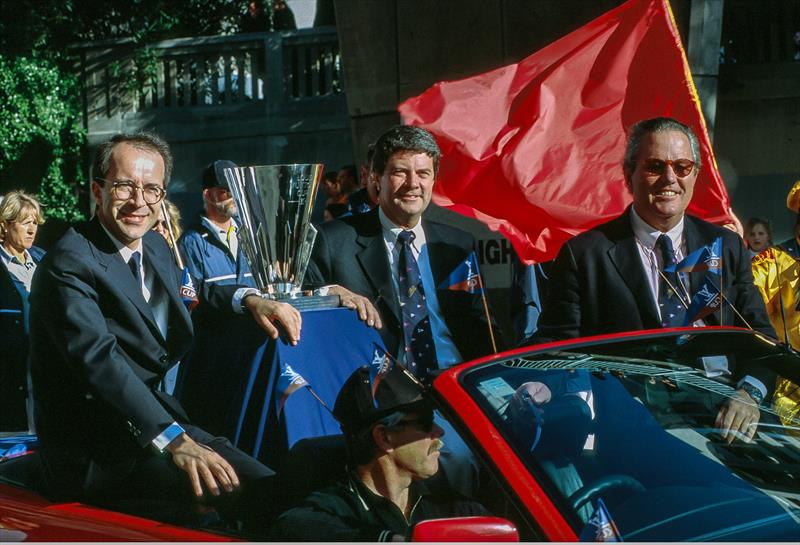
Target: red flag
<point x="534" y="149"/>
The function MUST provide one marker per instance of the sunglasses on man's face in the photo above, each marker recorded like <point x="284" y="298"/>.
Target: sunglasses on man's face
<point x="423" y="423"/>
<point x="656" y="167"/>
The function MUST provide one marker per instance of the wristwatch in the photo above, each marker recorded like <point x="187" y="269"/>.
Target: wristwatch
<point x="753" y="392"/>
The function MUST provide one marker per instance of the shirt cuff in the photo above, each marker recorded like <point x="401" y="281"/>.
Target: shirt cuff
<point x="755" y="383"/>
<point x="240" y="294"/>
<point x="168" y="436"/>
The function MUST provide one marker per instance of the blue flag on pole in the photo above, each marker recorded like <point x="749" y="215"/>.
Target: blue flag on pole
<point x="601" y="526"/>
<point x="188" y="293"/>
<point x="704" y="302"/>
<point x="708" y="258"/>
<point x="289" y="382"/>
<point x="378" y="367"/>
<point x="465" y="277"/>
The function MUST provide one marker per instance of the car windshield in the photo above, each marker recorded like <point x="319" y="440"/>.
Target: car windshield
<point x="625" y="432"/>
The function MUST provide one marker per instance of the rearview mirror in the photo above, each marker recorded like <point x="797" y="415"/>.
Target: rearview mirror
<point x="465" y="529"/>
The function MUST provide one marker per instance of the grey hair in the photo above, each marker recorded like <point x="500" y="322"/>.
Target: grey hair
<point x="649" y="126"/>
<point x="143" y="140"/>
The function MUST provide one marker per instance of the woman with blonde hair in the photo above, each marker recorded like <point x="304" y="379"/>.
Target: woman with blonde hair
<point x="174" y="220"/>
<point x="20" y="217"/>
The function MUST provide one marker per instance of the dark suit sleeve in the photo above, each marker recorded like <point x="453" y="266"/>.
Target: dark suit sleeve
<point x="67" y="307"/>
<point x="561" y="312"/>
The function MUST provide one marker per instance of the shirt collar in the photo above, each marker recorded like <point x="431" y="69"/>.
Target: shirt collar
<point x="391" y="231"/>
<point x="124" y="251"/>
<point x="8" y="258"/>
<point x="216" y="229"/>
<point x="647" y="234"/>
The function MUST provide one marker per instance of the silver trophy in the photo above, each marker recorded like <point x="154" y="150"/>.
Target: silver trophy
<point x="275" y="230"/>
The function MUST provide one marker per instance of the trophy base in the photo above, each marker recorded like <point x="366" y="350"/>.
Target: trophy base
<point x="312" y="302"/>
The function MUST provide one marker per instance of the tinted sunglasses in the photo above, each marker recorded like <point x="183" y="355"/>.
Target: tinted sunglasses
<point x="682" y="167"/>
<point x="423" y="423"/>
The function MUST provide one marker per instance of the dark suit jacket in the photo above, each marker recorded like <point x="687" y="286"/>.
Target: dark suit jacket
<point x="598" y="284"/>
<point x="97" y="356"/>
<point x="351" y="252"/>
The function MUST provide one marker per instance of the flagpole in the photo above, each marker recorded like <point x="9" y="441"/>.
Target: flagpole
<point x="719" y="289"/>
<point x="780" y="300"/>
<point x="486" y="311"/>
<point x="173" y="242"/>
<point x="313" y="393"/>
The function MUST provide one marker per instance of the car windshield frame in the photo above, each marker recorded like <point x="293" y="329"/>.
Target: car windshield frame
<point x="675" y="362"/>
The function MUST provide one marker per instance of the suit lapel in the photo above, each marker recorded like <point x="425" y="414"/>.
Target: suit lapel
<point x="108" y="258"/>
<point x="163" y="280"/>
<point x="375" y="264"/>
<point x="443" y="257"/>
<point x="624" y="254"/>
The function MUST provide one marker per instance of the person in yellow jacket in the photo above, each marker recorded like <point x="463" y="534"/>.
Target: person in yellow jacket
<point x="776" y="273"/>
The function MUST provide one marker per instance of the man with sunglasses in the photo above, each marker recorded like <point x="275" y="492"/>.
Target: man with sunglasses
<point x="106" y="324"/>
<point x="611" y="278"/>
<point x="393" y="448"/>
<point x="212" y="255"/>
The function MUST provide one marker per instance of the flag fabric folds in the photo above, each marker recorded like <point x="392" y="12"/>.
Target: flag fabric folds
<point x="289" y="382"/>
<point x="187" y="291"/>
<point x="705" y="301"/>
<point x="708" y="258"/>
<point x="465" y="277"/>
<point x="378" y="367"/>
<point x="601" y="527"/>
<point x="534" y="149"/>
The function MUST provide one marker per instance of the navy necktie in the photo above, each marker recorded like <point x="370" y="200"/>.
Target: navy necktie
<point x="669" y="302"/>
<point x="135" y="263"/>
<point x="420" y="350"/>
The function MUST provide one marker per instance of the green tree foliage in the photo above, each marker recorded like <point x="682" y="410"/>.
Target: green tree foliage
<point x="41" y="135"/>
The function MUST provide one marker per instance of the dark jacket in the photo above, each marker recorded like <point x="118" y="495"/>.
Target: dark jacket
<point x="14" y="346"/>
<point x="351" y="252"/>
<point x="349" y="511"/>
<point x="598" y="285"/>
<point x="97" y="356"/>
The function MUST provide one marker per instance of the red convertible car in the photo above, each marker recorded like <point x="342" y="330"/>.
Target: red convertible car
<point x="623" y="447"/>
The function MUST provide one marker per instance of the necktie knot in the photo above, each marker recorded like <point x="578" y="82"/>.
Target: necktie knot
<point x="664" y="244"/>
<point x="406" y="237"/>
<point x="135" y="263"/>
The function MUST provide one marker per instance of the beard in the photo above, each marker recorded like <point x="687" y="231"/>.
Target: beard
<point x="226" y="208"/>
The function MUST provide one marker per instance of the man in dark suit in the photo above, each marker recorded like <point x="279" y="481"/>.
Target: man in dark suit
<point x="392" y="265"/>
<point x="610" y="279"/>
<point x="106" y="324"/>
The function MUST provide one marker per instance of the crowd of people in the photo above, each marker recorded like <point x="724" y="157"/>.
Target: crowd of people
<point x="95" y="331"/>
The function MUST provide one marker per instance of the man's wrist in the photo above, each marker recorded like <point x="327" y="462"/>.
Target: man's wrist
<point x="753" y="392"/>
<point x="167" y="436"/>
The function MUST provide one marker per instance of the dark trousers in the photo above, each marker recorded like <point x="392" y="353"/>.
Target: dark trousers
<point x="152" y="486"/>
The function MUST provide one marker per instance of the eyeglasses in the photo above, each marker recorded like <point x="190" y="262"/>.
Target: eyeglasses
<point x="682" y="167"/>
<point x="423" y="423"/>
<point x="125" y="190"/>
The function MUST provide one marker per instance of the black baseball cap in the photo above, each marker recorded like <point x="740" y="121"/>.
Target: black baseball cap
<point x="213" y="175"/>
<point x="356" y="410"/>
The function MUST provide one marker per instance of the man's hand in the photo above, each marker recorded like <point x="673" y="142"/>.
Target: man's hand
<point x="537" y="392"/>
<point x="203" y="465"/>
<point x="267" y="311"/>
<point x="738" y="415"/>
<point x="366" y="310"/>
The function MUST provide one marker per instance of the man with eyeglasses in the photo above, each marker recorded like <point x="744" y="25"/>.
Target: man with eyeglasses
<point x="393" y="447"/>
<point x="107" y="322"/>
<point x="612" y="279"/>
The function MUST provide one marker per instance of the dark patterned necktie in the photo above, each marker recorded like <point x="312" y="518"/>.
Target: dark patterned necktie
<point x="669" y="302"/>
<point x="419" y="348"/>
<point x="135" y="263"/>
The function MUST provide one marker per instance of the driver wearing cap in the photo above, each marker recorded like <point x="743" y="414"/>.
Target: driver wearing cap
<point x="393" y="446"/>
